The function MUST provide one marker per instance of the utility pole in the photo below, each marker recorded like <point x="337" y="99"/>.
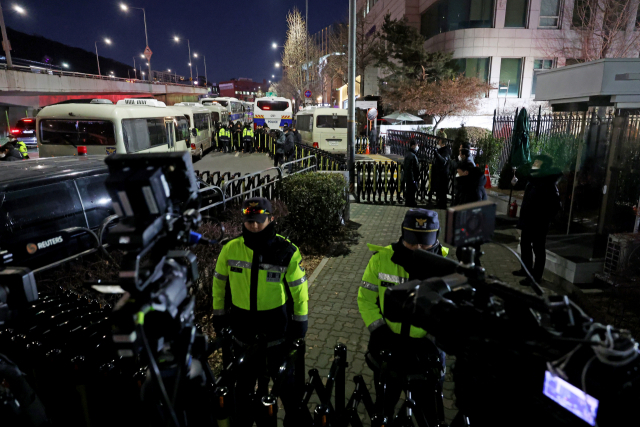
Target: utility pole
<point x="135" y="71"/>
<point x="204" y="58"/>
<point x="5" y="41"/>
<point x="351" y="112"/>
<point x="306" y="38"/>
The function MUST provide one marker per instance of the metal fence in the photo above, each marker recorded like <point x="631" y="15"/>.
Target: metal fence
<point x="398" y="143"/>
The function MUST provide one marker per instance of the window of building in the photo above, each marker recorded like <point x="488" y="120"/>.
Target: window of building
<point x="581" y="13"/>
<point x="516" y="14"/>
<point x="451" y="15"/>
<point x="510" y="75"/>
<point x="549" y="14"/>
<point x="539" y="64"/>
<point x="474" y="67"/>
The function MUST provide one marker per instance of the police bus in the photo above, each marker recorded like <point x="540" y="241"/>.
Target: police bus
<point x="232" y="105"/>
<point x="248" y="112"/>
<point x="324" y="128"/>
<point x="274" y="111"/>
<point x="200" y="127"/>
<point x="133" y="125"/>
<point x="219" y="113"/>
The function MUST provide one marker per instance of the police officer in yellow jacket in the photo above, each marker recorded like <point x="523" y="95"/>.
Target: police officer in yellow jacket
<point x="412" y="353"/>
<point x="20" y="146"/>
<point x="224" y="139"/>
<point x="247" y="138"/>
<point x="261" y="271"/>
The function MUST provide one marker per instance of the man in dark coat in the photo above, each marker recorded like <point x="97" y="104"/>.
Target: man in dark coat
<point x="440" y="174"/>
<point x="470" y="181"/>
<point x="9" y="154"/>
<point x="540" y="204"/>
<point x="411" y="174"/>
<point x="289" y="146"/>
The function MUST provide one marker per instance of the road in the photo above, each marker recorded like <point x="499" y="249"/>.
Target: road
<point x="233" y="162"/>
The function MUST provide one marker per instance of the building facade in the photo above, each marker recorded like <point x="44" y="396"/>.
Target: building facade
<point x="242" y="88"/>
<point x="504" y="42"/>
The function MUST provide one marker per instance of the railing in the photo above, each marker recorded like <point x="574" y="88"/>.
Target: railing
<point x="362" y="143"/>
<point x="42" y="70"/>
<point x="398" y="142"/>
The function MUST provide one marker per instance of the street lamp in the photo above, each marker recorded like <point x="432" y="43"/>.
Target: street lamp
<point x="277" y="64"/>
<point x="5" y="41"/>
<point x="204" y="59"/>
<point x="65" y="65"/>
<point x="107" y="41"/>
<point x="125" y="8"/>
<point x="177" y="40"/>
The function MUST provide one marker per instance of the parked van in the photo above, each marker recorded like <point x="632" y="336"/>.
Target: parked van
<point x="324" y="128"/>
<point x="199" y="125"/>
<point x="133" y="125"/>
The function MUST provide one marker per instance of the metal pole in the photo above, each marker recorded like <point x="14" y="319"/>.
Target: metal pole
<point x="135" y="71"/>
<point x="5" y="40"/>
<point x="144" y="15"/>
<point x="204" y="58"/>
<point x="351" y="131"/>
<point x="306" y="37"/>
<point x="97" y="58"/>
<point x="190" y="68"/>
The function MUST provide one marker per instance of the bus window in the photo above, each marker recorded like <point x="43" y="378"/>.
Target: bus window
<point x="215" y="117"/>
<point x="77" y="132"/>
<point x="142" y="134"/>
<point x="337" y="122"/>
<point x="304" y="123"/>
<point x="182" y="129"/>
<point x="273" y="105"/>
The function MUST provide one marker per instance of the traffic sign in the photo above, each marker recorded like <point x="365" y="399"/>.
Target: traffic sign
<point x="270" y="94"/>
<point x="148" y="53"/>
<point x="307" y="94"/>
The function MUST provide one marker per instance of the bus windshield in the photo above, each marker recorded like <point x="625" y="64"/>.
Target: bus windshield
<point x="337" y="122"/>
<point x="223" y="103"/>
<point x="273" y="105"/>
<point x="77" y="132"/>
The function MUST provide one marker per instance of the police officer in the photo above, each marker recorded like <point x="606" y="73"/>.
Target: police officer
<point x="278" y="159"/>
<point x="269" y="295"/>
<point x="20" y="146"/>
<point x="412" y="352"/>
<point x="411" y="174"/>
<point x="237" y="143"/>
<point x="224" y="138"/>
<point x="9" y="154"/>
<point x="247" y="138"/>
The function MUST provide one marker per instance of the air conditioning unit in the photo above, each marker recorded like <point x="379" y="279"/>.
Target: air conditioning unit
<point x="149" y="102"/>
<point x="623" y="251"/>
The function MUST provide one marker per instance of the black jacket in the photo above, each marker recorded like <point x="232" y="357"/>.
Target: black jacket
<point x="12" y="155"/>
<point x="470" y="188"/>
<point x="298" y="137"/>
<point x="541" y="201"/>
<point x="411" y="171"/>
<point x="289" y="142"/>
<point x="280" y="143"/>
<point x="441" y="164"/>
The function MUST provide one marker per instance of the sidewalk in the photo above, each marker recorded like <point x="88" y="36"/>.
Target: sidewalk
<point x="333" y="308"/>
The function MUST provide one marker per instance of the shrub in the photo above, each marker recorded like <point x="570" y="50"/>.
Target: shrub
<point x="316" y="204"/>
<point x="562" y="148"/>
<point x="441" y="133"/>
<point x="474" y="134"/>
<point x="489" y="150"/>
<point x="461" y="137"/>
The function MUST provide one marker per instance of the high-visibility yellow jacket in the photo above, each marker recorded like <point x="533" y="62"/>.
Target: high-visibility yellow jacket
<point x="22" y="147"/>
<point x="247" y="133"/>
<point x="224" y="133"/>
<point x="268" y="290"/>
<point x="380" y="274"/>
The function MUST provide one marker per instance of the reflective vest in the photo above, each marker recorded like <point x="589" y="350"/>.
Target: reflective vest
<point x="22" y="147"/>
<point x="258" y="286"/>
<point x="224" y="132"/>
<point x="247" y="132"/>
<point x="381" y="273"/>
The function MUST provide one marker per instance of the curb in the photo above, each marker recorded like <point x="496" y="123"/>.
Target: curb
<point x="317" y="271"/>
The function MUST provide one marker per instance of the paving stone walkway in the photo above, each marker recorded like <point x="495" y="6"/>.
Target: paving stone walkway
<point x="333" y="308"/>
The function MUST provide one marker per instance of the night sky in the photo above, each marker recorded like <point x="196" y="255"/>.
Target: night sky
<point x="235" y="36"/>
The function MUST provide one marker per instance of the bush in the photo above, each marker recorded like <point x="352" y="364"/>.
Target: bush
<point x="489" y="150"/>
<point x="441" y="133"/>
<point x="316" y="203"/>
<point x="461" y="137"/>
<point x="474" y="134"/>
<point x="563" y="149"/>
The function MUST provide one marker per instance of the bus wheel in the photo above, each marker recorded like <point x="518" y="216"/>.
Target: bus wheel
<point x="200" y="153"/>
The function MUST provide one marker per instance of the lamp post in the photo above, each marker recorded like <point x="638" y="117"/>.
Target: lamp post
<point x="5" y="40"/>
<point x="204" y="60"/>
<point x="107" y="41"/>
<point x="125" y="8"/>
<point x="135" y="72"/>
<point x="177" y="39"/>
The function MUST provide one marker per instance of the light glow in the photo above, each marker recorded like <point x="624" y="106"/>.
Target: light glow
<point x="107" y="41"/>
<point x="65" y="65"/>
<point x="19" y="9"/>
<point x="277" y="64"/>
<point x="123" y="7"/>
<point x="274" y="45"/>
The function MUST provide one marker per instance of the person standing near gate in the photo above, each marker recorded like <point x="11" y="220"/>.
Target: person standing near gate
<point x="540" y="204"/>
<point x="224" y="138"/>
<point x="289" y="146"/>
<point x="279" y="137"/>
<point x="19" y="145"/>
<point x="247" y="138"/>
<point x="440" y="173"/>
<point x="411" y="174"/>
<point x="269" y="298"/>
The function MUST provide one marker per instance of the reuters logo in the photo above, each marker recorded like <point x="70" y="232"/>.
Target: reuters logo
<point x="31" y="248"/>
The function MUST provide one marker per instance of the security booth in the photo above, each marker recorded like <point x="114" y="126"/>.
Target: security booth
<point x="604" y="190"/>
<point x="52" y="209"/>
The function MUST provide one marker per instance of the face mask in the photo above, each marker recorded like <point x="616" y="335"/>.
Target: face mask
<point x="458" y="175"/>
<point x="3" y="155"/>
<point x="460" y="158"/>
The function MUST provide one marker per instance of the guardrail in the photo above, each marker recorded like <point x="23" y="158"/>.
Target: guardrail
<point x="398" y="142"/>
<point x="42" y="70"/>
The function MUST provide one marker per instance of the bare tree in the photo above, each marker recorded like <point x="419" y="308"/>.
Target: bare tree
<point x="599" y="29"/>
<point x="439" y="99"/>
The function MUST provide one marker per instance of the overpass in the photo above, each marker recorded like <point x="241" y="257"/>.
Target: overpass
<point x="36" y="87"/>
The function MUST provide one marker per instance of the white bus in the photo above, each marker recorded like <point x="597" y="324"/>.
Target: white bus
<point x="274" y="111"/>
<point x="219" y="114"/>
<point x="324" y="128"/>
<point x="248" y="112"/>
<point x="131" y="126"/>
<point x="233" y="106"/>
<point x="200" y="122"/>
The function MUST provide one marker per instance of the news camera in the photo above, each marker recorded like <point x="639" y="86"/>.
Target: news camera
<point x="521" y="358"/>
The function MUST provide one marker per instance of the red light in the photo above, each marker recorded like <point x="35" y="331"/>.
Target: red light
<point x="315" y="145"/>
<point x="193" y="146"/>
<point x="15" y="130"/>
<point x="27" y="120"/>
<point x="82" y="150"/>
<point x="266" y="108"/>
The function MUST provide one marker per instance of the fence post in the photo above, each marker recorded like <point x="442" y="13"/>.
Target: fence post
<point x="538" y="127"/>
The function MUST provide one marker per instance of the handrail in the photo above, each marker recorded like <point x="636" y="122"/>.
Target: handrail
<point x="42" y="70"/>
<point x="310" y="157"/>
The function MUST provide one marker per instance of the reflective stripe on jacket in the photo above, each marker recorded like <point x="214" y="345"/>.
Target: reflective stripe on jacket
<point x="247" y="132"/>
<point x="224" y="132"/>
<point x="381" y="273"/>
<point x="260" y="285"/>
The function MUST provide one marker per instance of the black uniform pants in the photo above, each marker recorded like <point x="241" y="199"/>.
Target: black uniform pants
<point x="248" y="144"/>
<point x="278" y="159"/>
<point x="533" y="242"/>
<point x="410" y="194"/>
<point x="247" y="378"/>
<point x="441" y="189"/>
